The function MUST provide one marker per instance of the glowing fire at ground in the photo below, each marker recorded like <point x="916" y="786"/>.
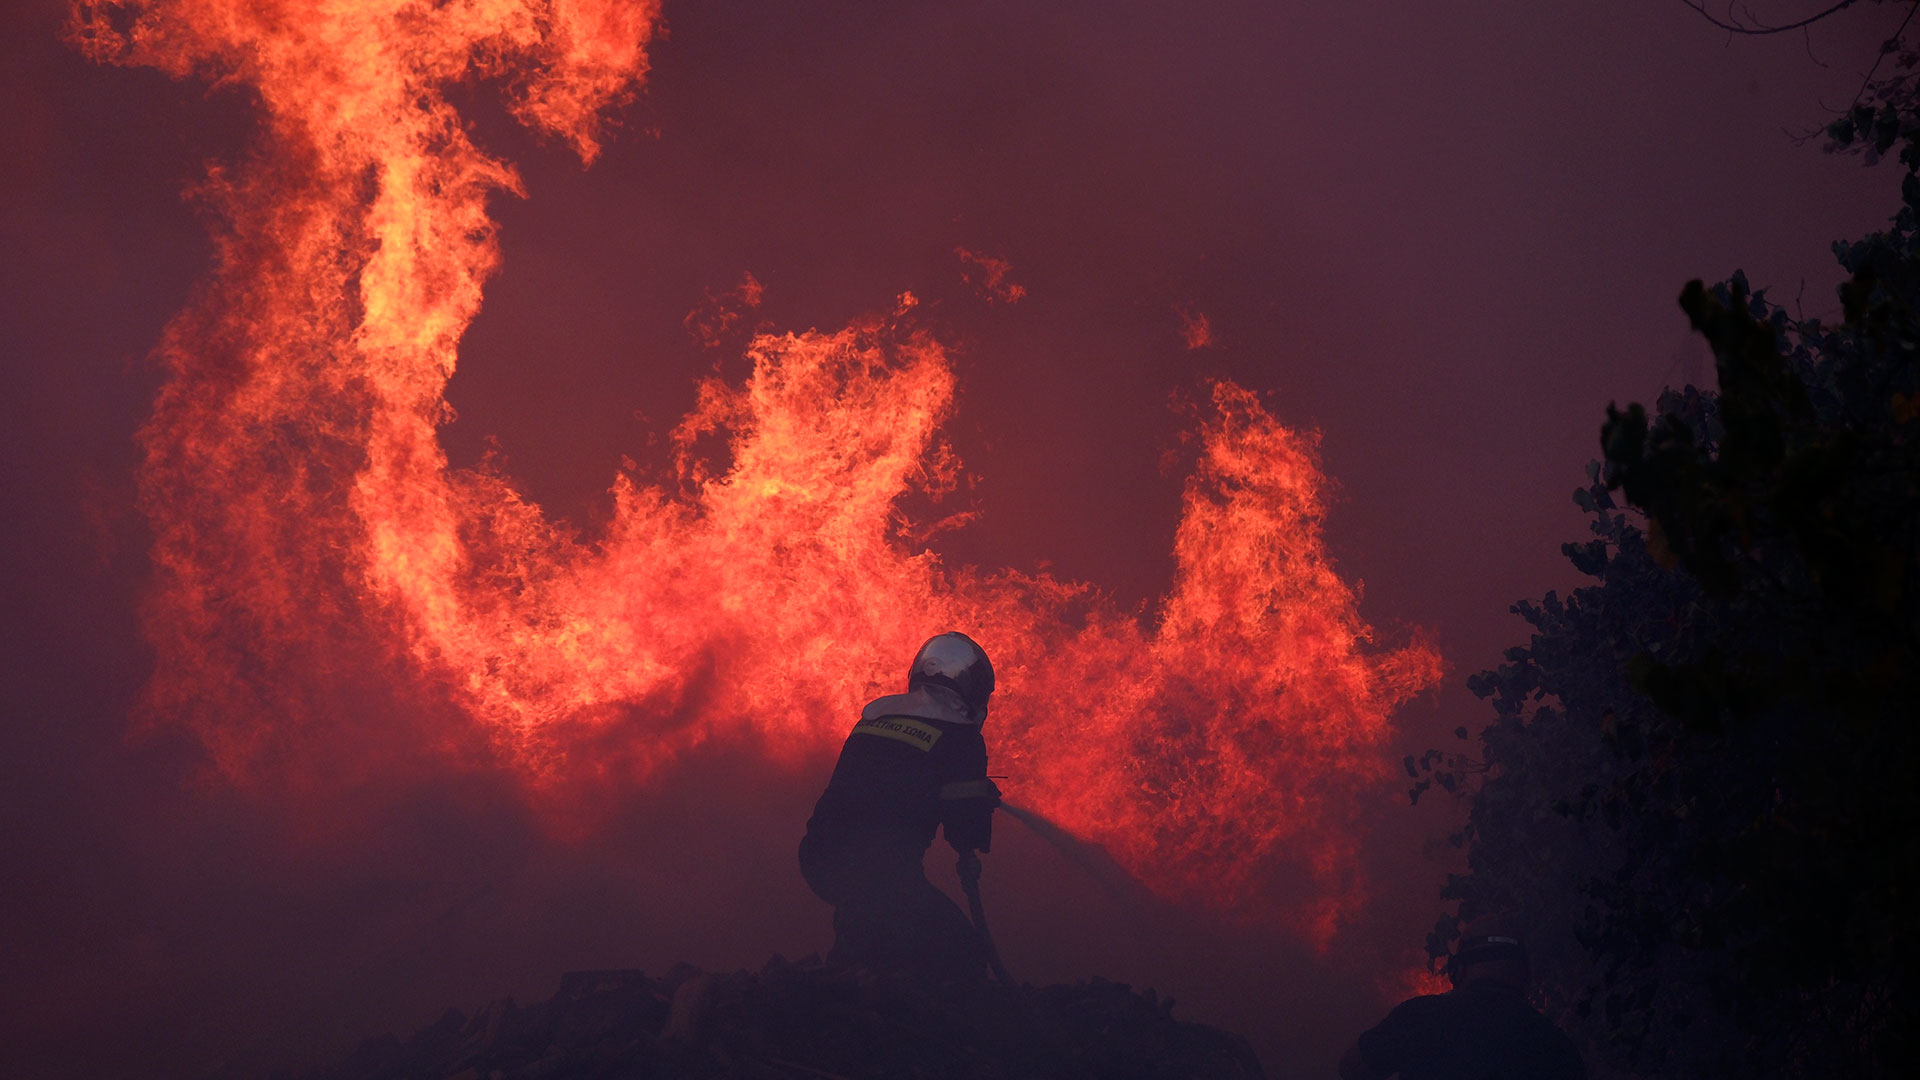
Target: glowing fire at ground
<point x="298" y="491"/>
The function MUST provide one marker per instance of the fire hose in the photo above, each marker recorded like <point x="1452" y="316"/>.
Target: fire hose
<point x="1051" y="1037"/>
<point x="1089" y="857"/>
<point x="969" y="870"/>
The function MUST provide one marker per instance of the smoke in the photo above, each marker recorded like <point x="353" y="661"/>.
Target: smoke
<point x="408" y="738"/>
<point x="311" y="539"/>
<point x="1090" y="859"/>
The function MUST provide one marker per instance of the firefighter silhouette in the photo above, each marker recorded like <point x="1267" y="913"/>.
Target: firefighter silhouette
<point x="1484" y="1029"/>
<point x="915" y="763"/>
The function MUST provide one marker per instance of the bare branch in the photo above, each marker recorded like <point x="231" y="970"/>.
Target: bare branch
<point x="1735" y="27"/>
<point x="1806" y="38"/>
<point x="1887" y="46"/>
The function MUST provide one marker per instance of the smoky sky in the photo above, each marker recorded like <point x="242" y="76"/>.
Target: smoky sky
<point x="1445" y="239"/>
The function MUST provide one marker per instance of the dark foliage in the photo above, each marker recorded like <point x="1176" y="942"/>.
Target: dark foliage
<point x="1886" y="111"/>
<point x="807" y="1019"/>
<point x="1699" y="788"/>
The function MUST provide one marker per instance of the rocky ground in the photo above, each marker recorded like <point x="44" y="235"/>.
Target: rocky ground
<point x="790" y="1021"/>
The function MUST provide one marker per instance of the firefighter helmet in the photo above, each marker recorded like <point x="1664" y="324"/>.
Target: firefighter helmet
<point x="1493" y="942"/>
<point x="955" y="661"/>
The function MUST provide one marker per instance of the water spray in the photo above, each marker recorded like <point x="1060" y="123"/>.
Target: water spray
<point x="1091" y="857"/>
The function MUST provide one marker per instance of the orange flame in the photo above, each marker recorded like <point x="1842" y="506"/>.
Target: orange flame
<point x="302" y="504"/>
<point x="994" y="276"/>
<point x="1195" y="328"/>
<point x="1413" y="978"/>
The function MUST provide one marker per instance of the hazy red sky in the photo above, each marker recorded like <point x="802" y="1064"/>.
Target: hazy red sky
<point x="1444" y="238"/>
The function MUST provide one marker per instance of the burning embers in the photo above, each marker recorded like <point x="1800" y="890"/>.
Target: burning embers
<point x="303" y="507"/>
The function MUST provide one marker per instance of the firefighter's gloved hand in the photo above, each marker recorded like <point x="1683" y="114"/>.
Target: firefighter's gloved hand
<point x="966" y="812"/>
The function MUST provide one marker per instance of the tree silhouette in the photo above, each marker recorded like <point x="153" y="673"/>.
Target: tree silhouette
<point x="1699" y="785"/>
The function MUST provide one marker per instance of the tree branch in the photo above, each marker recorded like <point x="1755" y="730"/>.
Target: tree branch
<point x="1886" y="47"/>
<point x="1700" y="7"/>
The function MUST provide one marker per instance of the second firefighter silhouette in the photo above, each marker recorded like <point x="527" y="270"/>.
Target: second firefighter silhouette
<point x="916" y="762"/>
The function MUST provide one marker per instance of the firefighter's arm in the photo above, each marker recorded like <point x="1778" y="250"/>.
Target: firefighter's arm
<point x="966" y="813"/>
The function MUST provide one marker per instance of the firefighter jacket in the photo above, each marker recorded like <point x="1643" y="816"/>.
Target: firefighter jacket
<point x="914" y="764"/>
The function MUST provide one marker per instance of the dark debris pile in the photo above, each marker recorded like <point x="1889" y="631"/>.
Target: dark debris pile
<point x="792" y="1021"/>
